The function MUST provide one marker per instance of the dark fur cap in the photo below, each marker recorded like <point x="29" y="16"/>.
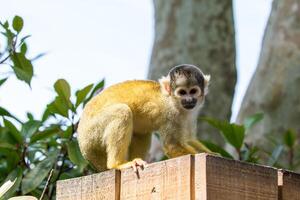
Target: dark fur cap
<point x="192" y="73"/>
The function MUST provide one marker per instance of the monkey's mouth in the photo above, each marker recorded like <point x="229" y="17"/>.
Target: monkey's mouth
<point x="189" y="106"/>
<point x="189" y="103"/>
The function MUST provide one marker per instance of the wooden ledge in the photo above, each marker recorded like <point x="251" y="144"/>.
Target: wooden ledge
<point x="200" y="176"/>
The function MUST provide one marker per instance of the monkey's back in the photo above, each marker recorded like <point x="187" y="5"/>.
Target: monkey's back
<point x="143" y="98"/>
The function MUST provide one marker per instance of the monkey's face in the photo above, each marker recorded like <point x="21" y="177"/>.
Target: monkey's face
<point x="188" y="96"/>
<point x="188" y="85"/>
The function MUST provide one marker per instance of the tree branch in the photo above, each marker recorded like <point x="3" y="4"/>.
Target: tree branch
<point x="47" y="184"/>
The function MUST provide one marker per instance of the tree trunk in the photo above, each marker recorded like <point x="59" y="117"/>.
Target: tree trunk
<point x="274" y="88"/>
<point x="198" y="32"/>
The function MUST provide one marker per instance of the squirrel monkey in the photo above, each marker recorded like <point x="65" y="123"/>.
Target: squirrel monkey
<point x="116" y="125"/>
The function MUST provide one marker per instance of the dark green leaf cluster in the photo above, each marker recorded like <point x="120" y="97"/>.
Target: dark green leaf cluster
<point x="30" y="149"/>
<point x="234" y="135"/>
<point x="14" y="53"/>
<point x="33" y="149"/>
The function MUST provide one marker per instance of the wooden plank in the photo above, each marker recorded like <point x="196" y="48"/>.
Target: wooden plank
<point x="104" y="186"/>
<point x="222" y="179"/>
<point x="170" y="179"/>
<point x="288" y="185"/>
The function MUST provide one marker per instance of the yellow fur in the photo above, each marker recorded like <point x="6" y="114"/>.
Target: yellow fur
<point x="116" y="125"/>
<point x="143" y="102"/>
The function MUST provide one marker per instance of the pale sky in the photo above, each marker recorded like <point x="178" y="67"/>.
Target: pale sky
<point x="86" y="41"/>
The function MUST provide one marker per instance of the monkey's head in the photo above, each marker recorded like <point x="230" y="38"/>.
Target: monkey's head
<point x="187" y="84"/>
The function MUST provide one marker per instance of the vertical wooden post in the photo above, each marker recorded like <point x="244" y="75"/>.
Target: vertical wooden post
<point x="222" y="179"/>
<point x="170" y="179"/>
<point x="288" y="185"/>
<point x="104" y="186"/>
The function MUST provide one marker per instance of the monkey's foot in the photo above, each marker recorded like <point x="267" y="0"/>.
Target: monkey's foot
<point x="135" y="163"/>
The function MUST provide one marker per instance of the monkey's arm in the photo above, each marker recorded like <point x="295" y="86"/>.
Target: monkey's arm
<point x="174" y="148"/>
<point x="189" y="147"/>
<point x="176" y="144"/>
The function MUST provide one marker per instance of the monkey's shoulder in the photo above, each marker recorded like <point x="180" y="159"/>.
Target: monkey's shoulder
<point x="134" y="89"/>
<point x="136" y="84"/>
<point x="135" y="93"/>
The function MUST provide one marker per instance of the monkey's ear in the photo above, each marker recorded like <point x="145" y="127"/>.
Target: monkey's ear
<point x="206" y="83"/>
<point x="165" y="85"/>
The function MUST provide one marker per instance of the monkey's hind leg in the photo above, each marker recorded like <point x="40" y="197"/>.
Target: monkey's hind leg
<point x="139" y="146"/>
<point x="117" y="133"/>
<point x="117" y="137"/>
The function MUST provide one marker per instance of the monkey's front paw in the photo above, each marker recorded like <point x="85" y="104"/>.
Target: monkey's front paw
<point x="135" y="163"/>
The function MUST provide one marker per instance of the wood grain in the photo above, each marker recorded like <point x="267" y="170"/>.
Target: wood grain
<point x="169" y="180"/>
<point x="222" y="179"/>
<point x="289" y="185"/>
<point x="200" y="177"/>
<point x="104" y="186"/>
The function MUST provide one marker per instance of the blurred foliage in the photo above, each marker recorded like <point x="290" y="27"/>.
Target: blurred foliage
<point x="35" y="153"/>
<point x="33" y="149"/>
<point x="285" y="153"/>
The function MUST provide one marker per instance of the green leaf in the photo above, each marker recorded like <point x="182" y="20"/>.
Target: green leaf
<point x="6" y="186"/>
<point x="6" y="145"/>
<point x="68" y="132"/>
<point x="13" y="158"/>
<point x="233" y="133"/>
<point x="275" y="155"/>
<point x="11" y="184"/>
<point x="4" y="112"/>
<point x="97" y="88"/>
<point x="46" y="114"/>
<point x="58" y="107"/>
<point x="5" y="25"/>
<point x="22" y="67"/>
<point x="24" y="48"/>
<point x="47" y="133"/>
<point x="63" y="90"/>
<point x="18" y="23"/>
<point x="81" y="94"/>
<point x="2" y="81"/>
<point x="290" y="138"/>
<point x="9" y="39"/>
<point x="13" y="131"/>
<point x="75" y="155"/>
<point x="249" y="154"/>
<point x="35" y="176"/>
<point x="252" y="120"/>
<point x="217" y="149"/>
<point x="30" y="116"/>
<point x="29" y="128"/>
<point x="6" y="136"/>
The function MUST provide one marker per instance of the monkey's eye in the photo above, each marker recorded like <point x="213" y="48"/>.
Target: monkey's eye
<point x="193" y="91"/>
<point x="182" y="92"/>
